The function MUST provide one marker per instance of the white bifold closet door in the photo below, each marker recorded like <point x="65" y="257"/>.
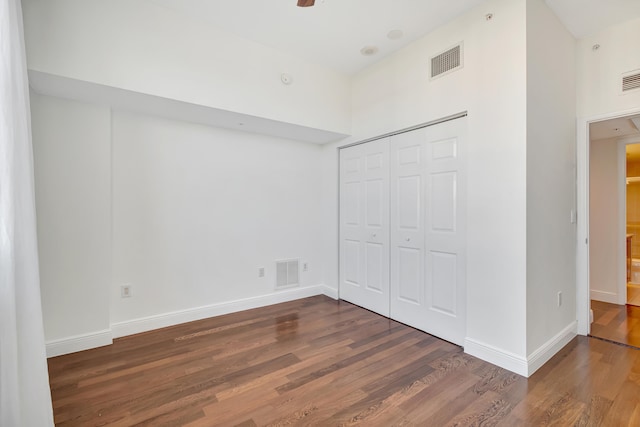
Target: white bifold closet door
<point x="364" y="225"/>
<point x="428" y="236"/>
<point x="403" y="228"/>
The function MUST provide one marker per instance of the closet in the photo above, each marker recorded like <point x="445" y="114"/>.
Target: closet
<point x="403" y="227"/>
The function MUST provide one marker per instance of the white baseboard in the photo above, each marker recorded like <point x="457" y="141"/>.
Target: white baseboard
<point x="610" y="297"/>
<point x="524" y="366"/>
<point x="330" y="292"/>
<point x="547" y="350"/>
<point x="145" y="324"/>
<point x="130" y="327"/>
<point x="496" y="356"/>
<point x="79" y="343"/>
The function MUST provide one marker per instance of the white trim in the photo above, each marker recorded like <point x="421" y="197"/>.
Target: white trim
<point x="547" y="350"/>
<point x="496" y="356"/>
<point x="518" y="364"/>
<point x="145" y="324"/>
<point x="330" y="292"/>
<point x="621" y="280"/>
<point x="121" y="329"/>
<point x="583" y="303"/>
<point x="610" y="297"/>
<point x="79" y="343"/>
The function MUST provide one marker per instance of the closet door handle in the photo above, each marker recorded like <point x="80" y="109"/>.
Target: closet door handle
<point x="374" y="235"/>
<point x="408" y="239"/>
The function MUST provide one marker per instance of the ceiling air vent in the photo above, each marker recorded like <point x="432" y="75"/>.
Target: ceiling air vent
<point x="631" y="81"/>
<point x="447" y="61"/>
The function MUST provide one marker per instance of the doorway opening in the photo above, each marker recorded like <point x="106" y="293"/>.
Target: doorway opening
<point x="632" y="210"/>
<point x="614" y="229"/>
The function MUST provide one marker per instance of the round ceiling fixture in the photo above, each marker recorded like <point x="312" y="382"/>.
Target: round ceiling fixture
<point x="369" y="50"/>
<point x="395" y="34"/>
<point x="286" y="78"/>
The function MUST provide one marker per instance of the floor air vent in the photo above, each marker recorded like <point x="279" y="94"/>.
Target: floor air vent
<point x="287" y="273"/>
<point x="446" y="62"/>
<point x="631" y="81"/>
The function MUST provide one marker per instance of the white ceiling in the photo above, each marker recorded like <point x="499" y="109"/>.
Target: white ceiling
<point x="624" y="127"/>
<point x="585" y="17"/>
<point x="333" y="32"/>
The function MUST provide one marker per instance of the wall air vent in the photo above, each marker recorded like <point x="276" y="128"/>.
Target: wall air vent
<point x="287" y="273"/>
<point x="631" y="81"/>
<point x="447" y="61"/>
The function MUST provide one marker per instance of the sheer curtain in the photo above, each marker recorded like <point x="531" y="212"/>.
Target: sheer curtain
<point x="25" y="399"/>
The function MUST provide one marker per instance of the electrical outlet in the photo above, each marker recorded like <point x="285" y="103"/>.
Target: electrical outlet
<point x="125" y="291"/>
<point x="305" y="266"/>
<point x="559" y="299"/>
<point x="261" y="272"/>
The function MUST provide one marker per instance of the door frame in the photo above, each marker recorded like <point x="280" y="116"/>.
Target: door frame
<point x="583" y="300"/>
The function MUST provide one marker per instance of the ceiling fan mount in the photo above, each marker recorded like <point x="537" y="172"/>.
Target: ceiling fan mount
<point x="306" y="3"/>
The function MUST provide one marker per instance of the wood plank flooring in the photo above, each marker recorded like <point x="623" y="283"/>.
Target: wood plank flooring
<point x="619" y="323"/>
<point x="633" y="294"/>
<point x="322" y="362"/>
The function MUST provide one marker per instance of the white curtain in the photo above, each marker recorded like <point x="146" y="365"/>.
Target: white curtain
<point x="25" y="399"/>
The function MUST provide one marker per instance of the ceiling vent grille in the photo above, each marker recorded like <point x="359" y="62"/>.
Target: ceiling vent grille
<point x="447" y="61"/>
<point x="631" y="81"/>
<point x="287" y="273"/>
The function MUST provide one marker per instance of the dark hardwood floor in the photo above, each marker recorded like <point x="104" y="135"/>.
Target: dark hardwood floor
<point x="619" y="323"/>
<point x="317" y="361"/>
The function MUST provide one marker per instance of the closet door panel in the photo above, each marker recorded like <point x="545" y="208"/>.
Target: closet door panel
<point x="409" y="275"/>
<point x="433" y="299"/>
<point x="351" y="262"/>
<point x="364" y="225"/>
<point x="407" y="223"/>
<point x="443" y="268"/>
<point x="409" y="214"/>
<point x="443" y="190"/>
<point x="375" y="259"/>
<point x="446" y="230"/>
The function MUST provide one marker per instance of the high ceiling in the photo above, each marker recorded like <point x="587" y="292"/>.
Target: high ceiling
<point x="333" y="32"/>
<point x="585" y="17"/>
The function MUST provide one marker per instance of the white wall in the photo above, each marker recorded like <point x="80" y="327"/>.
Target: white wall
<point x="72" y="147"/>
<point x="603" y="220"/>
<point x="184" y="213"/>
<point x="551" y="154"/>
<point x="198" y="210"/>
<point x="396" y="93"/>
<point x="146" y="48"/>
<point x="599" y="75"/>
<point x="599" y="72"/>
